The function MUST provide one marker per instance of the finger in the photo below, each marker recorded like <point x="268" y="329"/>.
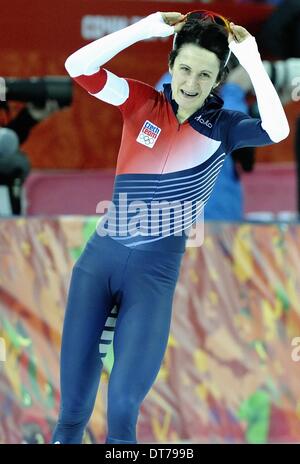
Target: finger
<point x="172" y="18"/>
<point x="234" y="32"/>
<point x="240" y="30"/>
<point x="177" y="20"/>
<point x="230" y="37"/>
<point x="182" y="18"/>
<point x="178" y="26"/>
<point x="240" y="33"/>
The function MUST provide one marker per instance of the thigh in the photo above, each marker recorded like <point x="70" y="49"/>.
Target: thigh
<point x="89" y="304"/>
<point x="143" y="324"/>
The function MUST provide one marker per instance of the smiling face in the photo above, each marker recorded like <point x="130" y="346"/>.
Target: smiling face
<point x="194" y="75"/>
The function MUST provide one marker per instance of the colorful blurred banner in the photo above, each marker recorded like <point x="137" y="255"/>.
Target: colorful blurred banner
<point x="87" y="135"/>
<point x="231" y="370"/>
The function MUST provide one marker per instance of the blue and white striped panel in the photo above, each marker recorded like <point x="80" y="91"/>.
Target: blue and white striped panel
<point x="108" y="333"/>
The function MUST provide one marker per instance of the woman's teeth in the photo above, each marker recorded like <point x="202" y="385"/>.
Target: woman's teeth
<point x="189" y="94"/>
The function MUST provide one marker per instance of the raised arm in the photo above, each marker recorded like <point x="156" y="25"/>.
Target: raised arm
<point x="84" y="65"/>
<point x="88" y="59"/>
<point x="273" y="118"/>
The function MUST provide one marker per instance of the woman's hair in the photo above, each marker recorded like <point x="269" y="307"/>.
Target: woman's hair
<point x="207" y="34"/>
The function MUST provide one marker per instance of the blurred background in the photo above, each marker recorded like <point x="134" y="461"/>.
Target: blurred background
<point x="229" y="374"/>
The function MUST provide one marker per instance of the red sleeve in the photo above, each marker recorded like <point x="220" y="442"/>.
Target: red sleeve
<point x="139" y="92"/>
<point x="93" y="83"/>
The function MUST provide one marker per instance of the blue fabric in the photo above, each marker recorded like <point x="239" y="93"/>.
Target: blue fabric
<point x="141" y="285"/>
<point x="226" y="202"/>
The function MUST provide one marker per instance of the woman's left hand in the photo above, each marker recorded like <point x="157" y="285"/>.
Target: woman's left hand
<point x="239" y="33"/>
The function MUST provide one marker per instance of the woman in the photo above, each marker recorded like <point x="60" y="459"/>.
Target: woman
<point x="173" y="146"/>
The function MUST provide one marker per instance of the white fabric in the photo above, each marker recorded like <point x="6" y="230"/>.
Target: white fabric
<point x="115" y="91"/>
<point x="272" y="114"/>
<point x="88" y="59"/>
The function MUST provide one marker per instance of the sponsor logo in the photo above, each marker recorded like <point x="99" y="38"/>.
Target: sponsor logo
<point x="202" y="121"/>
<point x="148" y="134"/>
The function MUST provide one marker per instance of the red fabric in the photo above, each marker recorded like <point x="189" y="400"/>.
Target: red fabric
<point x="147" y="105"/>
<point x="93" y="83"/>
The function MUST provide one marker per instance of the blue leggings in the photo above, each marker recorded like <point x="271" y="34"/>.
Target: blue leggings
<point x="141" y="284"/>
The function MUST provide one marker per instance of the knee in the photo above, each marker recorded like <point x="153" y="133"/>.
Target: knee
<point x="70" y="416"/>
<point x="123" y="405"/>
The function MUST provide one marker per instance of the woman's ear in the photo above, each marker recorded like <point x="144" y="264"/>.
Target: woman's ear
<point x="170" y="70"/>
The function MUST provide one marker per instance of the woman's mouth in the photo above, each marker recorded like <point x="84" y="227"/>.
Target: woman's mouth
<point x="188" y="95"/>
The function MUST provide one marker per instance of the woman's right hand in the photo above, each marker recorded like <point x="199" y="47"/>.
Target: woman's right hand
<point x="174" y="19"/>
<point x="162" y="24"/>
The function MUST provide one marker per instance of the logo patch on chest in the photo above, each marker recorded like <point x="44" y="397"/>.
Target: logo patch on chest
<point x="149" y="134"/>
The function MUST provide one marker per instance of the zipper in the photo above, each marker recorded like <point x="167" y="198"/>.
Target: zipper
<point x="179" y="125"/>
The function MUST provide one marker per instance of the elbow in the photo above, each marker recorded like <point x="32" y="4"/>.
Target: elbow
<point x="75" y="67"/>
<point x="278" y="132"/>
<point x="281" y="134"/>
<point x="72" y="67"/>
<point x="68" y="65"/>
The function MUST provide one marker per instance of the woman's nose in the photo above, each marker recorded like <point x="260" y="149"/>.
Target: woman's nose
<point x="192" y="82"/>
